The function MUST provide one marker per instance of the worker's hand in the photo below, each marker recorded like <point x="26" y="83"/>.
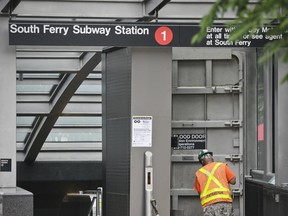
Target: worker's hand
<point x="233" y="181"/>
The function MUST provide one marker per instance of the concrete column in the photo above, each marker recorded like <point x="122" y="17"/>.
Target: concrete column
<point x="151" y="96"/>
<point x="281" y="126"/>
<point x="8" y="108"/>
<point x="13" y="201"/>
<point x="136" y="82"/>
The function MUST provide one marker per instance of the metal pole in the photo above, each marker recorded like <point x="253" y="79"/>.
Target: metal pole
<point x="1" y="205"/>
<point x="99" y="201"/>
<point x="148" y="183"/>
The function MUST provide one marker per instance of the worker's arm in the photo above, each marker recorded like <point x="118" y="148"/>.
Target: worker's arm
<point x="233" y="181"/>
<point x="230" y="175"/>
<point x="197" y="186"/>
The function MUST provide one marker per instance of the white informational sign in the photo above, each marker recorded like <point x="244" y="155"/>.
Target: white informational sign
<point x="142" y="131"/>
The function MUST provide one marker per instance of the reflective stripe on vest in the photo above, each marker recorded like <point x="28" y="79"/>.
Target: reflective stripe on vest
<point x="215" y="193"/>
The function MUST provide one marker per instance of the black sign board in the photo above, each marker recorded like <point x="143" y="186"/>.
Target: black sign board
<point x="129" y="34"/>
<point x="189" y="141"/>
<point x="5" y="165"/>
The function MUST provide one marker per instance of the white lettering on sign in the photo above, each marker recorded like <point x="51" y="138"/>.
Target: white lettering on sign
<point x="230" y="29"/>
<point x="55" y="29"/>
<point x="274" y="37"/>
<point x="242" y="43"/>
<point x="14" y="28"/>
<point x="254" y="31"/>
<point x="219" y="36"/>
<point x="91" y="30"/>
<point x="223" y="43"/>
<point x="190" y="141"/>
<point x="133" y="30"/>
<point x="266" y="29"/>
<point x="191" y="136"/>
<point x="214" y="29"/>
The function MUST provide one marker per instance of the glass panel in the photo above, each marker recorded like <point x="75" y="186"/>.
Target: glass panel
<point x="34" y="88"/>
<point x="89" y="89"/>
<point x="67" y="120"/>
<point x="75" y="137"/>
<point x="21" y="137"/>
<point x="25" y="120"/>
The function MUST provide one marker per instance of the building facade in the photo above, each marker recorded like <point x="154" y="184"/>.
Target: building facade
<point x="67" y="107"/>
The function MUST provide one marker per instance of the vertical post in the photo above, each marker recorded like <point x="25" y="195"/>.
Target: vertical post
<point x="99" y="201"/>
<point x="268" y="109"/>
<point x="137" y="82"/>
<point x="13" y="201"/>
<point x="148" y="182"/>
<point x="1" y="205"/>
<point x="281" y="124"/>
<point x="8" y="108"/>
<point x="151" y="90"/>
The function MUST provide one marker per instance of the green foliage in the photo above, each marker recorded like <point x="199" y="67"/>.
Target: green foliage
<point x="249" y="17"/>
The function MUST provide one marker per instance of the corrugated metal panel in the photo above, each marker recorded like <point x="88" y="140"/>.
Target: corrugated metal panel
<point x="117" y="93"/>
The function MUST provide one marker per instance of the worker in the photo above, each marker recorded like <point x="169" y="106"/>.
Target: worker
<point x="212" y="184"/>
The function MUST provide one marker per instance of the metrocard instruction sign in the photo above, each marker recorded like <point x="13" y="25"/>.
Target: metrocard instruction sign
<point x="130" y="34"/>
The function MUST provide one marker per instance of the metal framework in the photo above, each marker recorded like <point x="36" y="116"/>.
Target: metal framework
<point x="48" y="77"/>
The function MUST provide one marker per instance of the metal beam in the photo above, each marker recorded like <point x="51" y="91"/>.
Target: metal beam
<point x="207" y="124"/>
<point x="80" y="9"/>
<point x="4" y="6"/>
<point x="49" y="65"/>
<point x="59" y="49"/>
<point x="44" y="54"/>
<point x="56" y="65"/>
<point x="58" y="103"/>
<point x="153" y="6"/>
<point x="35" y="99"/>
<point x="7" y="6"/>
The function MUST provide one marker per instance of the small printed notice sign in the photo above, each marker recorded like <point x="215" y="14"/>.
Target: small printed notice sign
<point x="142" y="131"/>
<point x="5" y="165"/>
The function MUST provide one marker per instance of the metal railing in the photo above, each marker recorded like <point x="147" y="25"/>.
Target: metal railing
<point x="96" y="202"/>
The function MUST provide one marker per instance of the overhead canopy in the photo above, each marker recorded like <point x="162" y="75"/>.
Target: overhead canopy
<point x="52" y="114"/>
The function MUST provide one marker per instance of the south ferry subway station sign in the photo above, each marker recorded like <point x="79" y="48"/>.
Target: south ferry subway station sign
<point x="130" y="34"/>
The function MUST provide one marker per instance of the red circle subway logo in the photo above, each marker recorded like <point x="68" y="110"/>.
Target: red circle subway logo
<point x="163" y="35"/>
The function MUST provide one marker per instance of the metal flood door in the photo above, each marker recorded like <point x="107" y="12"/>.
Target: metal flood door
<point x="207" y="112"/>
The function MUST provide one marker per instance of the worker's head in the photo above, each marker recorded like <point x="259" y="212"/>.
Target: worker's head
<point x="205" y="156"/>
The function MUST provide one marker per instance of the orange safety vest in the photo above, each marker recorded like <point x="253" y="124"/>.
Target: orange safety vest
<point x="214" y="185"/>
